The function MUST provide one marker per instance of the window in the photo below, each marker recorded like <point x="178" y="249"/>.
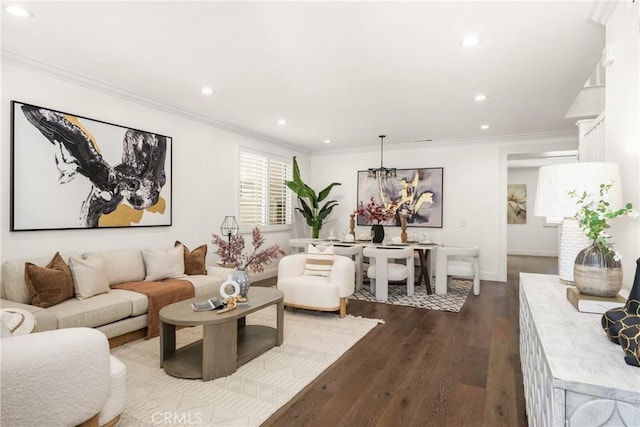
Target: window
<point x="265" y="200"/>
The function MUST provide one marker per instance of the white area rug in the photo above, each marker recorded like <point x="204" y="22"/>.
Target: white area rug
<point x="312" y="342"/>
<point x="456" y="295"/>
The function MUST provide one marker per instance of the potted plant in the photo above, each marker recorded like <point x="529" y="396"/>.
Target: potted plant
<point x="597" y="269"/>
<point x="311" y="210"/>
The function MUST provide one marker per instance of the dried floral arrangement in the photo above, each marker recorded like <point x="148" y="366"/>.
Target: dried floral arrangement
<point x="232" y="252"/>
<point x="376" y="212"/>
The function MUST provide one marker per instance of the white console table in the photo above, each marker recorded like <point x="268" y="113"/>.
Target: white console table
<point x="573" y="375"/>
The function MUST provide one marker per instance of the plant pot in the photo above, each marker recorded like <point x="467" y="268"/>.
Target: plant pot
<point x="377" y="233"/>
<point x="594" y="273"/>
<point x="241" y="277"/>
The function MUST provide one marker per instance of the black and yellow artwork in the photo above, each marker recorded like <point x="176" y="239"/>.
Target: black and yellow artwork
<point x="415" y="193"/>
<point x="516" y="203"/>
<point x="70" y="171"/>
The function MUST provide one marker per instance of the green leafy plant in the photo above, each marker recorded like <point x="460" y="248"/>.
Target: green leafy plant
<point x="593" y="214"/>
<point x="310" y="209"/>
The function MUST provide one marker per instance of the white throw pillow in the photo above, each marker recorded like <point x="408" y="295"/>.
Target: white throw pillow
<point x="319" y="263"/>
<point x="16" y="321"/>
<point x="89" y="276"/>
<point x="164" y="263"/>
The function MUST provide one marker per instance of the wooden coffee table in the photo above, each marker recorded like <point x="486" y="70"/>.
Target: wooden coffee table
<point x="227" y="342"/>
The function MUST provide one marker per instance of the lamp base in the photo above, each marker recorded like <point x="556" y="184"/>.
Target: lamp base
<point x="572" y="240"/>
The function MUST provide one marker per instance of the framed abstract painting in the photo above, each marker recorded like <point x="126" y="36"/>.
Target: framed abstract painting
<point x="73" y="172"/>
<point x="415" y="192"/>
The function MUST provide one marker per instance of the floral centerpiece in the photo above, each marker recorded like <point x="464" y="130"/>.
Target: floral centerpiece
<point x="597" y="269"/>
<point x="232" y="252"/>
<point x="593" y="214"/>
<point x="376" y="212"/>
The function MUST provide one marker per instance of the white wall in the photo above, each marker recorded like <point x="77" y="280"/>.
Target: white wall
<point x="205" y="175"/>
<point x="623" y="125"/>
<point x="532" y="238"/>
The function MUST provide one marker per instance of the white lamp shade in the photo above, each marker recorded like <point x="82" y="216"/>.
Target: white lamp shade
<point x="556" y="181"/>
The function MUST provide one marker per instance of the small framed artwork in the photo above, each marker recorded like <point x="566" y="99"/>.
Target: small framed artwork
<point x="73" y="172"/>
<point x="516" y="203"/>
<point x="416" y="193"/>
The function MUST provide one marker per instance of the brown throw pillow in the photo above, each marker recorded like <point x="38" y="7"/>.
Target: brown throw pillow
<point x="49" y="285"/>
<point x="195" y="260"/>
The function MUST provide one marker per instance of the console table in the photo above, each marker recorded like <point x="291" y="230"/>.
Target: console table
<point x="573" y="375"/>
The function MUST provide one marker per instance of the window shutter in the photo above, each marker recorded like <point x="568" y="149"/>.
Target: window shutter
<point x="279" y="194"/>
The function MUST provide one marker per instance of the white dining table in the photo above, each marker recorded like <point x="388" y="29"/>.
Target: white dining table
<point x="425" y="253"/>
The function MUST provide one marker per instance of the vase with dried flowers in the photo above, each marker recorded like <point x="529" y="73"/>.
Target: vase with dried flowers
<point x="376" y="214"/>
<point x="232" y="253"/>
<point x="597" y="269"/>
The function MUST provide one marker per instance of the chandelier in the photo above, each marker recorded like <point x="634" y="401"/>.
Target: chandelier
<point x="381" y="172"/>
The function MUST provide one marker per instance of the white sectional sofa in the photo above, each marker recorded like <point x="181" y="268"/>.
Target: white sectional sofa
<point x="115" y="312"/>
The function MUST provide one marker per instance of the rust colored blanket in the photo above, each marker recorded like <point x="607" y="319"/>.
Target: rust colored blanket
<point x="159" y="294"/>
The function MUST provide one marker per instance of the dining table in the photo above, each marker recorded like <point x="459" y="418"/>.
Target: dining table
<point x="424" y="250"/>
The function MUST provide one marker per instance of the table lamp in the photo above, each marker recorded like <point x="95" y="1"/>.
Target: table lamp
<point x="229" y="228"/>
<point x="553" y="201"/>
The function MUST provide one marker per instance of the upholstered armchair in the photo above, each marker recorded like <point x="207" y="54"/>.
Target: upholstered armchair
<point x="452" y="261"/>
<point x="316" y="292"/>
<point x="383" y="269"/>
<point x="64" y="377"/>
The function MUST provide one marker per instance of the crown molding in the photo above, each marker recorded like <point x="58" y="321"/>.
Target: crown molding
<point x="83" y="80"/>
<point x="541" y="137"/>
<point x="600" y="11"/>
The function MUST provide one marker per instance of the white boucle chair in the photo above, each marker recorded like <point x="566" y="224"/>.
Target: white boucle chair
<point x="383" y="269"/>
<point x="453" y="261"/>
<point x="316" y="292"/>
<point x="64" y="377"/>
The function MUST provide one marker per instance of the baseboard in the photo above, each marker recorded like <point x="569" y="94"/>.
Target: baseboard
<point x="528" y="252"/>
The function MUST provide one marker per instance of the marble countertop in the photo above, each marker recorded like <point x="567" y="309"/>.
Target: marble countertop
<point x="579" y="354"/>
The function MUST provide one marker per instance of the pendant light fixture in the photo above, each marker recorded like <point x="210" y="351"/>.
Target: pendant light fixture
<point x="381" y="172"/>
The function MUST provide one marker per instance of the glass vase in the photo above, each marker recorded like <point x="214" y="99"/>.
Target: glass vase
<point x="595" y="273"/>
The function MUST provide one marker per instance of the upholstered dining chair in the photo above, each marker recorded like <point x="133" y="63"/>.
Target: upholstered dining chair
<point x="383" y="269"/>
<point x="454" y="261"/>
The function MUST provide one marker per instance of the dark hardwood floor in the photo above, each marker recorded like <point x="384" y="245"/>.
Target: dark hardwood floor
<point x="427" y="368"/>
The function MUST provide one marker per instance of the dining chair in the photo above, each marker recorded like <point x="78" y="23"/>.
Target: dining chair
<point x="454" y="261"/>
<point x="383" y="269"/>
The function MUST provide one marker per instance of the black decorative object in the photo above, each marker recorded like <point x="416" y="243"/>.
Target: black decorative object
<point x="377" y="233"/>
<point x="622" y="325"/>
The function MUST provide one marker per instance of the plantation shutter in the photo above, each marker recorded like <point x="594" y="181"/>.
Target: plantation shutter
<point x="253" y="190"/>
<point x="279" y="196"/>
<point x="264" y="196"/>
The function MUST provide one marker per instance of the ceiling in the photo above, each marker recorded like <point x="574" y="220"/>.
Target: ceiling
<point x="343" y="71"/>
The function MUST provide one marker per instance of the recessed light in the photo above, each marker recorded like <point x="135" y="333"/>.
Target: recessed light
<point x="480" y="97"/>
<point x="484" y="127"/>
<point x="206" y="90"/>
<point x="327" y="141"/>
<point x="282" y="122"/>
<point x="19" y="11"/>
<point x="470" y="40"/>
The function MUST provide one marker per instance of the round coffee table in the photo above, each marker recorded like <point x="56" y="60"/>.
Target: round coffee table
<point x="227" y="342"/>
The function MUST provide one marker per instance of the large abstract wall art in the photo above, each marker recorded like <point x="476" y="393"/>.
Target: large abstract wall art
<point x="415" y="192"/>
<point x="70" y="171"/>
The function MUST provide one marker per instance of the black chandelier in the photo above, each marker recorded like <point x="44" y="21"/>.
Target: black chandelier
<point x="381" y="172"/>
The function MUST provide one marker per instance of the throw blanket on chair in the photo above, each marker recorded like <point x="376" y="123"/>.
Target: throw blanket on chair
<point x="159" y="294"/>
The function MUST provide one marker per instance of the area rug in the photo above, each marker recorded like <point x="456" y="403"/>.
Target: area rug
<point x="457" y="293"/>
<point x="312" y="342"/>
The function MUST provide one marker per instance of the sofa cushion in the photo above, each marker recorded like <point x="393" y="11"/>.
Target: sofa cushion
<point x="195" y="260"/>
<point x="49" y="285"/>
<point x="139" y="302"/>
<point x="319" y="262"/>
<point x="89" y="277"/>
<point x="91" y="312"/>
<point x="164" y="263"/>
<point x="205" y="285"/>
<point x="121" y="265"/>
